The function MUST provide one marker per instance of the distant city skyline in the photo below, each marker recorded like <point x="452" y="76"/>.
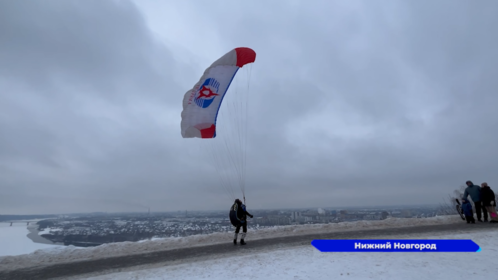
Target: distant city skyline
<point x="146" y="212"/>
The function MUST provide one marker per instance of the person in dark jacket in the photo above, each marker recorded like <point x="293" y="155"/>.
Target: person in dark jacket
<point x="238" y="218"/>
<point x="488" y="201"/>
<point x="467" y="211"/>
<point x="475" y="194"/>
<point x="487" y="195"/>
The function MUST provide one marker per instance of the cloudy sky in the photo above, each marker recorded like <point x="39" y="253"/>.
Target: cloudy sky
<point x="350" y="102"/>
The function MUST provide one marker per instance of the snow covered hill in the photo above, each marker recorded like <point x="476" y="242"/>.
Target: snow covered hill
<point x="308" y="263"/>
<point x="60" y="255"/>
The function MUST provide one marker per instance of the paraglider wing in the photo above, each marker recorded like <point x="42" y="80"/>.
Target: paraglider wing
<point x="202" y="102"/>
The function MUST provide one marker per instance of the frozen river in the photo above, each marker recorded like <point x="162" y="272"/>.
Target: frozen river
<point x="14" y="239"/>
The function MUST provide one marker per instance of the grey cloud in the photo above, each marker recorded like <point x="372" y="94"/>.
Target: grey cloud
<point x="411" y="74"/>
<point x="352" y="103"/>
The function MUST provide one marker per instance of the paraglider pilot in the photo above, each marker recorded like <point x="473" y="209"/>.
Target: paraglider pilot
<point x="238" y="218"/>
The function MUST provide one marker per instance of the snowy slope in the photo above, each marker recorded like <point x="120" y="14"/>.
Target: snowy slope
<point x="308" y="263"/>
<point x="57" y="255"/>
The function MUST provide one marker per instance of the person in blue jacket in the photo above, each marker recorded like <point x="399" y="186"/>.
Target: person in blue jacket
<point x="238" y="218"/>
<point x="475" y="194"/>
<point x="467" y="211"/>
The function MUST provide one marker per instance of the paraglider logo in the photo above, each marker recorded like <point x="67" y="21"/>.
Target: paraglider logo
<point x="207" y="93"/>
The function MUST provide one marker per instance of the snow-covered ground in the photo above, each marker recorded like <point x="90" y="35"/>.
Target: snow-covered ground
<point x="14" y="240"/>
<point x="63" y="254"/>
<point x="306" y="262"/>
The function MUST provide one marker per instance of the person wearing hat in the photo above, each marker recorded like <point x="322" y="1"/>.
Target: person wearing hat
<point x="475" y="194"/>
<point x="488" y="202"/>
<point x="238" y="218"/>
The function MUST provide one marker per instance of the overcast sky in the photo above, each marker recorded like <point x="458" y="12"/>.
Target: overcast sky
<point x="350" y="102"/>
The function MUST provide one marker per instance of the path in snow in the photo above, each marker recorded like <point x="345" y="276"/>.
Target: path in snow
<point x="182" y="255"/>
<point x="305" y="262"/>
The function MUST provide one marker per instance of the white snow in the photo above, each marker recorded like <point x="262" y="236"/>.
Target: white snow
<point x="49" y="230"/>
<point x="45" y="231"/>
<point x="63" y="254"/>
<point x="14" y="240"/>
<point x="120" y="223"/>
<point x="308" y="263"/>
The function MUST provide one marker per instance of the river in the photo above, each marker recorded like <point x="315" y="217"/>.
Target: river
<point x="20" y="238"/>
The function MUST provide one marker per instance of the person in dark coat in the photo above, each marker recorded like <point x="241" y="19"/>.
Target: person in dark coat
<point x="475" y="194"/>
<point x="238" y="218"/>
<point x="488" y="201"/>
<point x="467" y="211"/>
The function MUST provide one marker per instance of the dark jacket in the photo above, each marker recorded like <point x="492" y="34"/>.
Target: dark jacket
<point x="487" y="195"/>
<point x="238" y="214"/>
<point x="467" y="208"/>
<point x="474" y="191"/>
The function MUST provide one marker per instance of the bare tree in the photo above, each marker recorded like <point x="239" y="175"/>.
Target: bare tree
<point x="447" y="207"/>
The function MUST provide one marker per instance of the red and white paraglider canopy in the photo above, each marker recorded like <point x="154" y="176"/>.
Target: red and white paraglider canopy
<point x="201" y="104"/>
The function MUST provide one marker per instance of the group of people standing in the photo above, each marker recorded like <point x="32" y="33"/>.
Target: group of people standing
<point x="484" y="203"/>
